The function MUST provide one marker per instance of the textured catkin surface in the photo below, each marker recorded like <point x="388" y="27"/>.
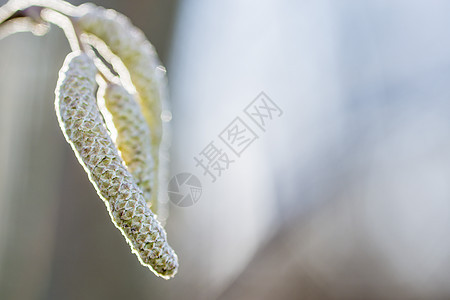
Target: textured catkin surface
<point x="141" y="60"/>
<point x="137" y="54"/>
<point x="83" y="127"/>
<point x="133" y="138"/>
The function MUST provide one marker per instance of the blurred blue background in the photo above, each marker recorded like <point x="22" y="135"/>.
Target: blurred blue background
<point x="345" y="196"/>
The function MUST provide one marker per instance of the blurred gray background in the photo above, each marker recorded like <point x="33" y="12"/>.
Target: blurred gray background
<point x="345" y="196"/>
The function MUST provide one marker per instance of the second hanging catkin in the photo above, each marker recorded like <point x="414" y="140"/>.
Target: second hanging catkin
<point x="137" y="54"/>
<point x="84" y="129"/>
<point x="133" y="137"/>
<point x="139" y="57"/>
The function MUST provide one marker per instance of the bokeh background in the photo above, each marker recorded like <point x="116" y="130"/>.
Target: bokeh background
<point x="345" y="196"/>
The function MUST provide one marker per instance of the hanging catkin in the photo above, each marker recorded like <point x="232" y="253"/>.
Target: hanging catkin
<point x="139" y="57"/>
<point x="133" y="137"/>
<point x="84" y="129"/>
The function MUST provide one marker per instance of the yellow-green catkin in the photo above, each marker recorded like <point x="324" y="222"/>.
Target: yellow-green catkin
<point x="137" y="54"/>
<point x="133" y="138"/>
<point x="146" y="72"/>
<point x="84" y="129"/>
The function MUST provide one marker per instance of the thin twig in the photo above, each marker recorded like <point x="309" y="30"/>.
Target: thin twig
<point x="32" y="12"/>
<point x="61" y="16"/>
